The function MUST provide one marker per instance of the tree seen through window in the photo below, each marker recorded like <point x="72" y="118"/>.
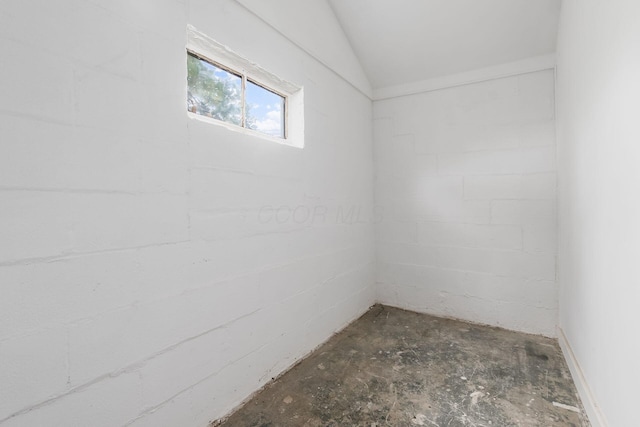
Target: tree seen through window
<point x="218" y="93"/>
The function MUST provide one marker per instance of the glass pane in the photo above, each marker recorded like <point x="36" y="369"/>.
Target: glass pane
<point x="265" y="110"/>
<point x="213" y="92"/>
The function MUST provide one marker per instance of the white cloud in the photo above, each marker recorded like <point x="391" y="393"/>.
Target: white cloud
<point x="274" y="115"/>
<point x="272" y="124"/>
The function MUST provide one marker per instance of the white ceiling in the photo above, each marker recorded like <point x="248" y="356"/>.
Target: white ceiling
<point x="406" y="41"/>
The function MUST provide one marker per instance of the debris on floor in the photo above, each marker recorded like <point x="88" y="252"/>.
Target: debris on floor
<point x="410" y="369"/>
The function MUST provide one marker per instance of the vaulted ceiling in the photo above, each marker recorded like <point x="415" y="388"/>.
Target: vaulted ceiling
<point x="405" y="41"/>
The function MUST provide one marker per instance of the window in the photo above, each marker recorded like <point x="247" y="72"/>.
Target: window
<point x="213" y="91"/>
<point x="227" y="95"/>
<point x="225" y="88"/>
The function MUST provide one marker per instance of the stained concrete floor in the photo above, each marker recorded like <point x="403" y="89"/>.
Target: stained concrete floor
<point x="397" y="368"/>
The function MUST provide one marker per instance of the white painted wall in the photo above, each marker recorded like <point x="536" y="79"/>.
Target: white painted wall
<point x="599" y="152"/>
<point x="466" y="197"/>
<point x="314" y="27"/>
<point x="141" y="282"/>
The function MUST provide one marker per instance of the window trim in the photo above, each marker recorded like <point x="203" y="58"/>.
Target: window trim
<point x="209" y="50"/>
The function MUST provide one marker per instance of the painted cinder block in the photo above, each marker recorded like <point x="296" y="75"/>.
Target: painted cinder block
<point x="491" y="187"/>
<point x="106" y="101"/>
<point x="199" y="358"/>
<point x="453" y="234"/>
<point x="529" y="212"/>
<point x="396" y="273"/>
<point x="241" y="379"/>
<point x="409" y="253"/>
<point x="17" y="24"/>
<point x="536" y="95"/>
<point x="399" y="159"/>
<point x="499" y="162"/>
<point x="161" y="18"/>
<point x="113" y="401"/>
<point x="527" y="265"/>
<point x="452" y="209"/>
<point x="103" y="222"/>
<point x="79" y="34"/>
<point x="496" y="137"/>
<point x="342" y="286"/>
<point x="419" y="187"/>
<point x="34" y="368"/>
<point x="531" y="292"/>
<point x="540" y="238"/>
<point x="75" y="288"/>
<point x="540" y="186"/>
<point x="132" y="334"/>
<point x="44" y="155"/>
<point x="515" y="264"/>
<point x="242" y="223"/>
<point x="180" y="409"/>
<point x="468" y="259"/>
<point x="118" y="54"/>
<point x="444" y="299"/>
<point x="538" y="134"/>
<point x="34" y="225"/>
<point x="43" y="96"/>
<point x="537" y="186"/>
<point x="46" y="224"/>
<point x="543" y="320"/>
<point x="25" y="159"/>
<point x="162" y="61"/>
<point x="283" y="281"/>
<point x="220" y="191"/>
<point x="389" y="230"/>
<point x="217" y="148"/>
<point x="494" y="244"/>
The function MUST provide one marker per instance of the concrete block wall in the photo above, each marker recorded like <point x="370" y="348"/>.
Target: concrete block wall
<point x="156" y="270"/>
<point x="465" y="182"/>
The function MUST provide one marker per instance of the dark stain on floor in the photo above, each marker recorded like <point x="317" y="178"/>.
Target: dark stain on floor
<point x="393" y="367"/>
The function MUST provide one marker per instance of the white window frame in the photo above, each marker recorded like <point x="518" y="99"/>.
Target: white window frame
<point x="219" y="55"/>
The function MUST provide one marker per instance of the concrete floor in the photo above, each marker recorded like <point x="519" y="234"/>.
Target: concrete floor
<point x="397" y="368"/>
